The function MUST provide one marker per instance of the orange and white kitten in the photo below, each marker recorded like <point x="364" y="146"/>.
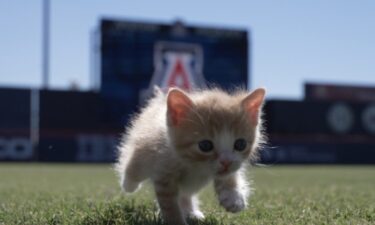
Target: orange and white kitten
<point x="182" y="141"/>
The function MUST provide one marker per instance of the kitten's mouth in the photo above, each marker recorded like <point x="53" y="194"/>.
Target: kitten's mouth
<point x="223" y="171"/>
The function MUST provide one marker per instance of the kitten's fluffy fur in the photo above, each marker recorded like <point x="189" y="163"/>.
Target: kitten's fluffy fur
<point x="162" y="144"/>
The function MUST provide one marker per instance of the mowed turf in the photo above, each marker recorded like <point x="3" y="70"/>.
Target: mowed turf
<point x="90" y="194"/>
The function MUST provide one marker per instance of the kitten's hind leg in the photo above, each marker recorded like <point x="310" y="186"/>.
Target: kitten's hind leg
<point x="167" y="196"/>
<point x="190" y="206"/>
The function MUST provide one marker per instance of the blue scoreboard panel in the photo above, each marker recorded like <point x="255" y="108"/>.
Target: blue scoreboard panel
<point x="136" y="56"/>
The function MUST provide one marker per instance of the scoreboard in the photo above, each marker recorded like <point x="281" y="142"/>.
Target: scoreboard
<point x="136" y="56"/>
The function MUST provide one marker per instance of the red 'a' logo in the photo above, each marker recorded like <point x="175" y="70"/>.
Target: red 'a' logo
<point x="179" y="76"/>
<point x="176" y="65"/>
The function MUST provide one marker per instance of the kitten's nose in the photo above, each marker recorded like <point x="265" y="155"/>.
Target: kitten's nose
<point x="225" y="164"/>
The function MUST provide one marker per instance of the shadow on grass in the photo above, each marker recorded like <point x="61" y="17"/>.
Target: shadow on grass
<point x="132" y="214"/>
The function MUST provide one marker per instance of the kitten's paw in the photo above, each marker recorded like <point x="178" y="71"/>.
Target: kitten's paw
<point x="196" y="214"/>
<point x="130" y="186"/>
<point x="232" y="201"/>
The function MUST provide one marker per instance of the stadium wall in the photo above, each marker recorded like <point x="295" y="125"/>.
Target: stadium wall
<point x="75" y="127"/>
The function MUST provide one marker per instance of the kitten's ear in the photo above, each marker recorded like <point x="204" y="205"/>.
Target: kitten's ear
<point x="253" y="103"/>
<point x="178" y="104"/>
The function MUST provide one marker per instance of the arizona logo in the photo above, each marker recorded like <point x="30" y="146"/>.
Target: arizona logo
<point x="177" y="65"/>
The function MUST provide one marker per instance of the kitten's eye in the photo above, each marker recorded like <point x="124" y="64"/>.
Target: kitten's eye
<point x="240" y="144"/>
<point x="206" y="145"/>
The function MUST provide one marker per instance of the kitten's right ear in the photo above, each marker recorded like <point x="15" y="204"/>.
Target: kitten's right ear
<point x="253" y="103"/>
<point x="178" y="104"/>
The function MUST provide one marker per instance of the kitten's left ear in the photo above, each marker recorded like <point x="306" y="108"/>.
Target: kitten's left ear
<point x="178" y="104"/>
<point x="253" y="103"/>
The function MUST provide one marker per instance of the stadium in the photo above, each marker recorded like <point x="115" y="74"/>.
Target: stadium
<point x="57" y="147"/>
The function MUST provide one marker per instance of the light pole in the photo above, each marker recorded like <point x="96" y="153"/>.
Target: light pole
<point x="45" y="43"/>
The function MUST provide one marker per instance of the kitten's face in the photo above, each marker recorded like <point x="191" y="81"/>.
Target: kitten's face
<point x="214" y="129"/>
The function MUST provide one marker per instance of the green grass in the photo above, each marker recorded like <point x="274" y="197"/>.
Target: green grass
<point x="89" y="194"/>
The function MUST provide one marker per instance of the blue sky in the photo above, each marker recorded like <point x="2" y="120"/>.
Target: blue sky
<point x="293" y="41"/>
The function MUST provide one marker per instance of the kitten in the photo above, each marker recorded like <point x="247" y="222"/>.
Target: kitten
<point x="182" y="141"/>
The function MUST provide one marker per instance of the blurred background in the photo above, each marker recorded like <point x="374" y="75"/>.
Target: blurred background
<point x="72" y="72"/>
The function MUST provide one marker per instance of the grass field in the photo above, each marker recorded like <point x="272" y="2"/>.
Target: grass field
<point x="89" y="194"/>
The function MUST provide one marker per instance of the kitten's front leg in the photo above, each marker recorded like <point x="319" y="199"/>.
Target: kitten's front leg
<point x="167" y="195"/>
<point x="189" y="205"/>
<point x="232" y="192"/>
